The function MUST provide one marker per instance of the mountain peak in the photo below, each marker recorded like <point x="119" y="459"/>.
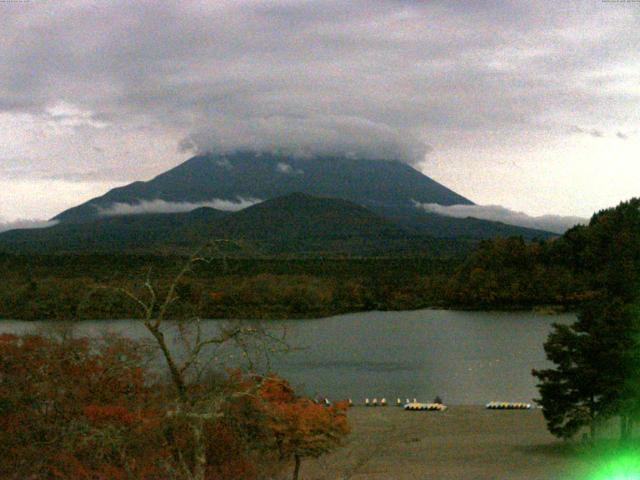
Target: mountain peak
<point x="261" y="176"/>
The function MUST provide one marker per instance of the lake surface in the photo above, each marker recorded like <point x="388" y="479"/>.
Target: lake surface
<point x="464" y="357"/>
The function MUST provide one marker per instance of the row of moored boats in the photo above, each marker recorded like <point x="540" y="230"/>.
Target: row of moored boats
<point x="436" y="405"/>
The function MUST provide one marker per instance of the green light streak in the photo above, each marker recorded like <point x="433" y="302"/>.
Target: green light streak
<point x="624" y="466"/>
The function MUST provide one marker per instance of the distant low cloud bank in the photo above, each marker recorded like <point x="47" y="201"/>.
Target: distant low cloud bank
<point x="497" y="213"/>
<point x="162" y="206"/>
<point x="26" y="223"/>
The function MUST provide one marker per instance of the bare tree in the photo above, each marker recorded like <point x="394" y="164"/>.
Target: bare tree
<point x="189" y="364"/>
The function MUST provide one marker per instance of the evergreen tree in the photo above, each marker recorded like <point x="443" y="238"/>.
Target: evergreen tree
<point x="596" y="374"/>
<point x="568" y="396"/>
<point x="597" y="359"/>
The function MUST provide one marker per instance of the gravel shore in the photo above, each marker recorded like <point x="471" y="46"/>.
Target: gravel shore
<point x="464" y="442"/>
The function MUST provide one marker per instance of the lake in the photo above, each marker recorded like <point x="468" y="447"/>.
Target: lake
<point x="464" y="357"/>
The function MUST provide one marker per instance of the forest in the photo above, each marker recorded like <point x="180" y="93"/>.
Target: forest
<point x="502" y="273"/>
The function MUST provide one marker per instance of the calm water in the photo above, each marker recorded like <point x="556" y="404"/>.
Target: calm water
<point x="464" y="357"/>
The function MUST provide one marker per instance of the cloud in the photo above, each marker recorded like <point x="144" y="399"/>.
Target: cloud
<point x="121" y="84"/>
<point x="284" y="168"/>
<point x="26" y="224"/>
<point x="496" y="213"/>
<point x="69" y="115"/>
<point x="594" y="132"/>
<point x="308" y="136"/>
<point x="421" y="70"/>
<point x="28" y="198"/>
<point x="162" y="206"/>
<point x="288" y="169"/>
<point x="224" y="163"/>
<point x="598" y="133"/>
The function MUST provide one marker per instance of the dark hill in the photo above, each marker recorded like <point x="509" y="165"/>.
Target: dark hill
<point x="299" y="215"/>
<point x="115" y="233"/>
<point x="293" y="224"/>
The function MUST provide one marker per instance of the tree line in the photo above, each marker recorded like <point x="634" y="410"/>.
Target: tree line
<point x="596" y="372"/>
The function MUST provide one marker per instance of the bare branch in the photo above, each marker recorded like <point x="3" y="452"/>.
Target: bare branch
<point x="145" y="307"/>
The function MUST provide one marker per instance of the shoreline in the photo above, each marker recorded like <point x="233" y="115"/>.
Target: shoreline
<point x="547" y="310"/>
<point x="465" y="441"/>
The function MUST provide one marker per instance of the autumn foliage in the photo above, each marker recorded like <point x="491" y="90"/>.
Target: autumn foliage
<point x="300" y="426"/>
<point x="71" y="409"/>
<point x="75" y="409"/>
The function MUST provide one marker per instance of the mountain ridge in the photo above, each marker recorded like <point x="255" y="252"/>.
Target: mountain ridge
<point x="203" y="178"/>
<point x="315" y="206"/>
<point x="296" y="223"/>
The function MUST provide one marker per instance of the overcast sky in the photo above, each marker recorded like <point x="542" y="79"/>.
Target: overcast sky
<point x="534" y="106"/>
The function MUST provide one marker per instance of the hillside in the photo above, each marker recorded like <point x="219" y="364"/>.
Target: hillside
<point x="116" y="233"/>
<point x="421" y="222"/>
<point x="292" y="224"/>
<point x="588" y="261"/>
<point x="309" y="206"/>
<point x="299" y="215"/>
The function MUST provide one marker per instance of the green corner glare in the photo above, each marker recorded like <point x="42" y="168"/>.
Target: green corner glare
<point x="626" y="467"/>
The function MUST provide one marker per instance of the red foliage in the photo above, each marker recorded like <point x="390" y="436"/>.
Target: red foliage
<point x="301" y="426"/>
<point x="69" y="409"/>
<point x="102" y="414"/>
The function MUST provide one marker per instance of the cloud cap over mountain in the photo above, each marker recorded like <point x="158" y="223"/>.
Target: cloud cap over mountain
<point x="324" y="135"/>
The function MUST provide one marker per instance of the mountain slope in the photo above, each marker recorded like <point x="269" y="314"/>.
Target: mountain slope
<point x="117" y="233"/>
<point x="417" y="220"/>
<point x="263" y="176"/>
<point x="299" y="215"/>
<point x="293" y="224"/>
